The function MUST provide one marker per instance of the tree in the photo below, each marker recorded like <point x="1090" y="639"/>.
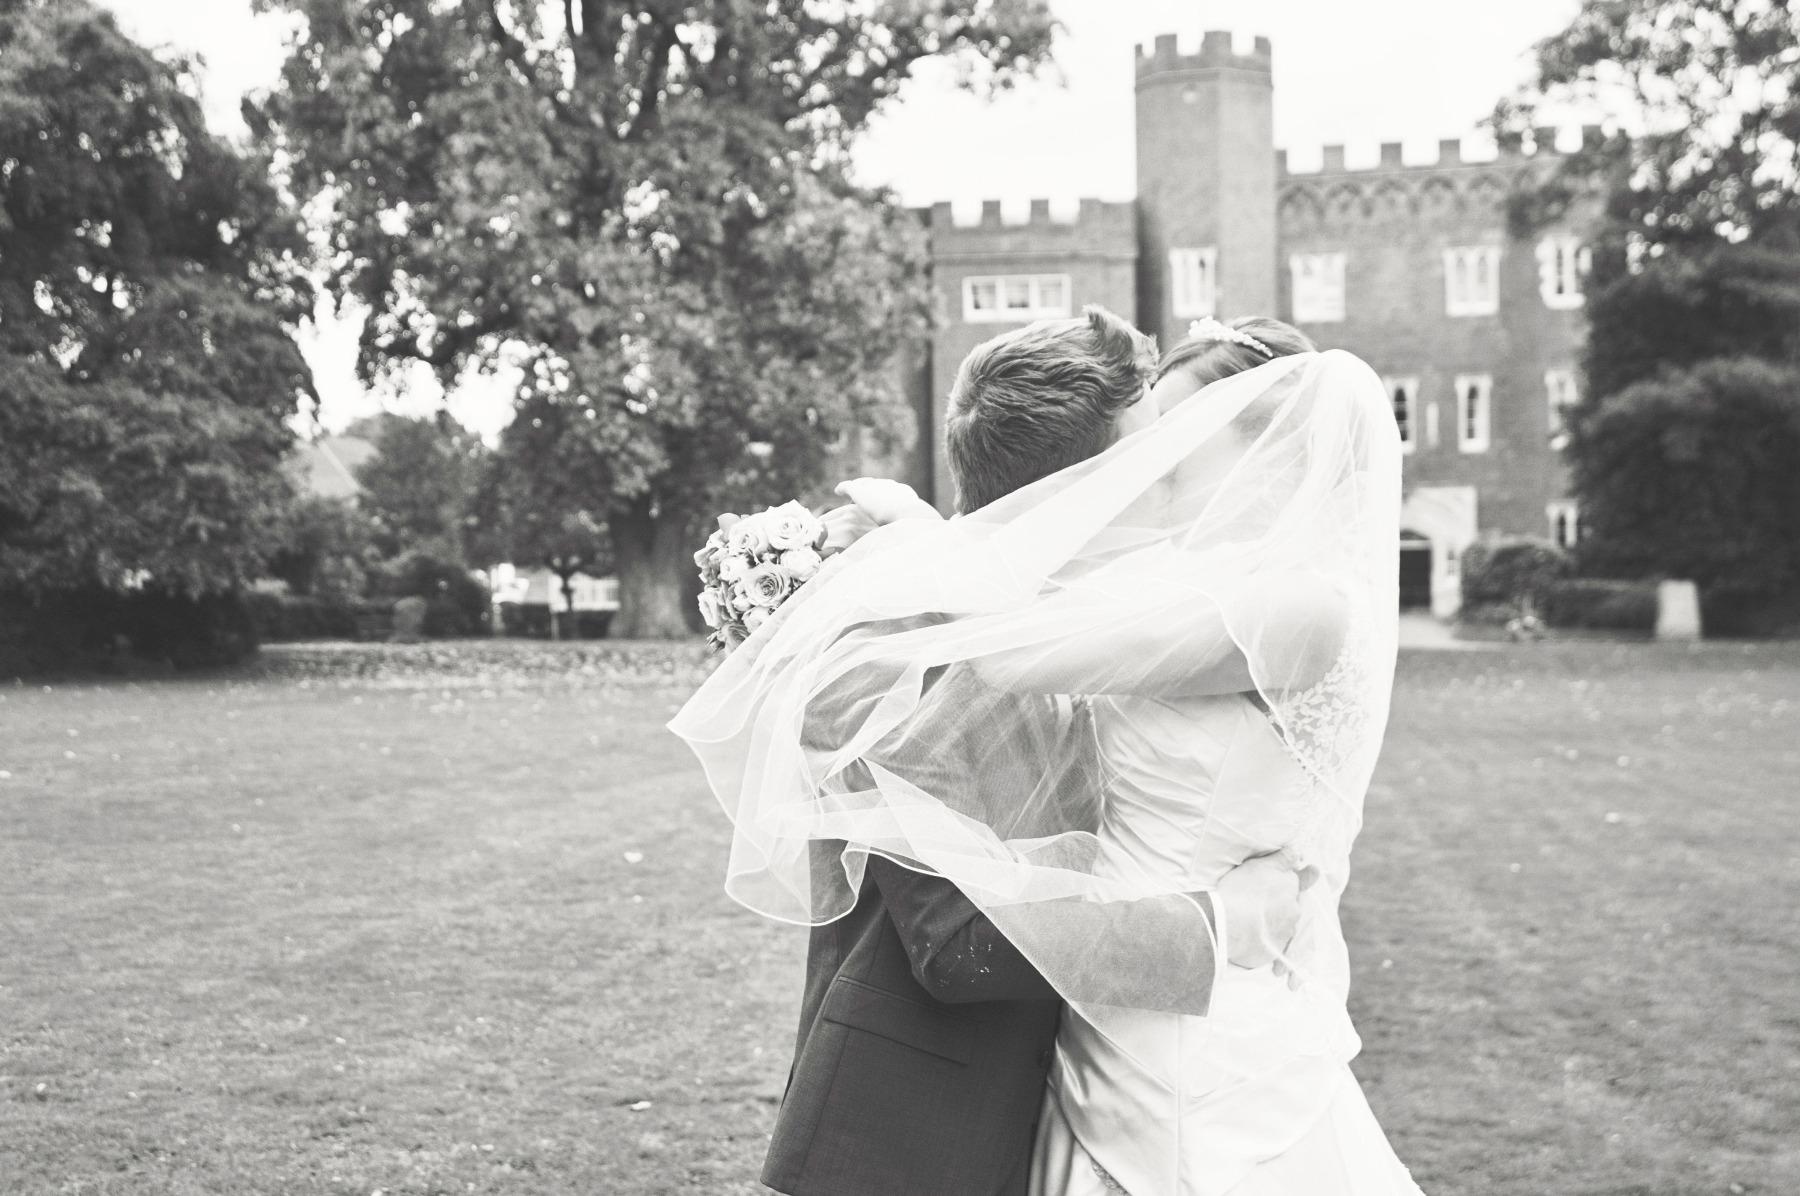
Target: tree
<point x="1696" y="304"/>
<point x="1706" y="97"/>
<point x="1697" y="249"/>
<point x="146" y="287"/>
<point x="419" y="488"/>
<point x="1683" y="449"/>
<point x="326" y="549"/>
<point x="648" y="204"/>
<point x="1696" y="474"/>
<point x="534" y="517"/>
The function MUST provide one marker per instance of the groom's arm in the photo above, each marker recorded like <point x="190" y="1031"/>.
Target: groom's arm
<point x="957" y="955"/>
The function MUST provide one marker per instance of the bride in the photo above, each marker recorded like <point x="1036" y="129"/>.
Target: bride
<point x="1219" y="586"/>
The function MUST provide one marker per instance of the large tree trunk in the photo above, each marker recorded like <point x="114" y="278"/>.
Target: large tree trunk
<point x="653" y="556"/>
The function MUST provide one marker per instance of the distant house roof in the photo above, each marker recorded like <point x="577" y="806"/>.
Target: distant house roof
<point x="326" y="467"/>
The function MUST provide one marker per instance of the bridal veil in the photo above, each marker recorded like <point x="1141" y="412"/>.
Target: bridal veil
<point x="922" y="698"/>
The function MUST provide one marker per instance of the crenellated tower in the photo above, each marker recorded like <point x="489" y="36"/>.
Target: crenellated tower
<point x="1206" y="183"/>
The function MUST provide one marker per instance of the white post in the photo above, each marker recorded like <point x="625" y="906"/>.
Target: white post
<point x="1677" y="611"/>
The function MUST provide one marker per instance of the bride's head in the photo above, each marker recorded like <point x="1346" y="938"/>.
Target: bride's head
<point x="1197" y="362"/>
<point x="1031" y="402"/>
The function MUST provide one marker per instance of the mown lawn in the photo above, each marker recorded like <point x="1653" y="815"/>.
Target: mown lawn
<point x="364" y="922"/>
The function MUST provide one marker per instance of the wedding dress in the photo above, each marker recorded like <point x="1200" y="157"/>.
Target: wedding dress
<point x="1257" y="1099"/>
<point x="1220" y="588"/>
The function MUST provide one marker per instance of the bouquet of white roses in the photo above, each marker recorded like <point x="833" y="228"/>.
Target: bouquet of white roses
<point x="752" y="564"/>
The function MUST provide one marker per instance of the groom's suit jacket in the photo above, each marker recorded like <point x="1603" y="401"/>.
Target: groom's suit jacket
<point x="925" y="1037"/>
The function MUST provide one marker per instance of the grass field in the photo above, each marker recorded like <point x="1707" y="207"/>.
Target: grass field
<point x="443" y="920"/>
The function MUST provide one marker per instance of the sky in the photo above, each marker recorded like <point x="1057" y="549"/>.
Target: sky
<point x="1349" y="72"/>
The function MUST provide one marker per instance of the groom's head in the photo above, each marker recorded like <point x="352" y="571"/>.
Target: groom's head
<point x="1032" y="402"/>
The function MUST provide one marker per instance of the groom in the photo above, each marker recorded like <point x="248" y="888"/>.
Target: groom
<point x="925" y="1036"/>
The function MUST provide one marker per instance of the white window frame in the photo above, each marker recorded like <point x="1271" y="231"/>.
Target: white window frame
<point x="1474" y="412"/>
<point x="1409" y="431"/>
<point x="1472" y="280"/>
<point x="1194" y="283"/>
<point x="1563" y="265"/>
<point x="1318" y="279"/>
<point x="1561" y="392"/>
<point x="1033" y="286"/>
<point x="1565" y="522"/>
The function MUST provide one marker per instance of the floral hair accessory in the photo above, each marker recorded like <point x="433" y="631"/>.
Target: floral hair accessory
<point x="1210" y="329"/>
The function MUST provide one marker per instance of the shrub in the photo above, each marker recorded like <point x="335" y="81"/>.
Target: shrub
<point x="96" y="629"/>
<point x="1695" y="474"/>
<point x="1594" y="604"/>
<point x="533" y="622"/>
<point x="324" y="546"/>
<point x="1509" y="571"/>
<point x="456" y="603"/>
<point x="1726" y="612"/>
<point x="286" y="618"/>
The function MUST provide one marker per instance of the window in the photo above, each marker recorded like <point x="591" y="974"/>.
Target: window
<point x="1015" y="298"/>
<point x="1472" y="280"/>
<point x="1318" y="287"/>
<point x="1404" y="394"/>
<point x="1559" y="386"/>
<point x="1474" y="394"/>
<point x="1565" y="523"/>
<point x="1193" y="283"/>
<point x="1562" y="263"/>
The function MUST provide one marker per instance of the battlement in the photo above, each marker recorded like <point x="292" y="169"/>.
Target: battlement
<point x="1542" y="143"/>
<point x="1216" y="53"/>
<point x="1095" y="228"/>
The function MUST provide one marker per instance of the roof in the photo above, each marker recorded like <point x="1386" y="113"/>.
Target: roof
<point x="326" y="468"/>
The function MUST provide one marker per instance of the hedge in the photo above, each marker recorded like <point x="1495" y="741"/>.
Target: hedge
<point x="1594" y="604"/>
<point x="102" y="630"/>
<point x="1510" y="571"/>
<point x="287" y="618"/>
<point x="533" y="622"/>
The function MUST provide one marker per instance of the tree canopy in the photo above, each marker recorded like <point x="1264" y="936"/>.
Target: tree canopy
<point x="419" y="488"/>
<point x="1697" y="248"/>
<point x="647" y="204"/>
<point x="1704" y="97"/>
<point x="1683" y="451"/>
<point x="1696" y="474"/>
<point x="146" y="283"/>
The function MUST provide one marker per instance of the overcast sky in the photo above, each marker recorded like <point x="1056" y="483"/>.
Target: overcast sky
<point x="1356" y="72"/>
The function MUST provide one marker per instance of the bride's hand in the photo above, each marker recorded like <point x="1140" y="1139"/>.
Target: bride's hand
<point x="887" y="501"/>
<point x="844" y="526"/>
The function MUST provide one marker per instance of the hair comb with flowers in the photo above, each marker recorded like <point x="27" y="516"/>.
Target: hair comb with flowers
<point x="1210" y="329"/>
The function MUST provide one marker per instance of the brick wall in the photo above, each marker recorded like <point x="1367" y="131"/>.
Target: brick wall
<point x="1394" y="223"/>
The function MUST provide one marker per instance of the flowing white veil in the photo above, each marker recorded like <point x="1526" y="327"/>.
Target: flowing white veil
<point x="906" y="701"/>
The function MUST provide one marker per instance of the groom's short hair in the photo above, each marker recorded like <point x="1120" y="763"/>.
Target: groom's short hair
<point x="1032" y="402"/>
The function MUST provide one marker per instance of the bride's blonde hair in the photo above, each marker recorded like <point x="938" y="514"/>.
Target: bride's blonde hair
<point x="1208" y="359"/>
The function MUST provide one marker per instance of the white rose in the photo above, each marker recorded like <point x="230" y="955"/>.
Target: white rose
<point x="755" y="618"/>
<point x="792" y="526"/>
<point x="747" y="538"/>
<point x="767" y="585"/>
<point x="801" y="562"/>
<point x="709" y="608"/>
<point x="740" y="600"/>
<point x="733" y="568"/>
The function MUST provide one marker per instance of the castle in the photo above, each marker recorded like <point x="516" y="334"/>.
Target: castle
<point x="1411" y="268"/>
